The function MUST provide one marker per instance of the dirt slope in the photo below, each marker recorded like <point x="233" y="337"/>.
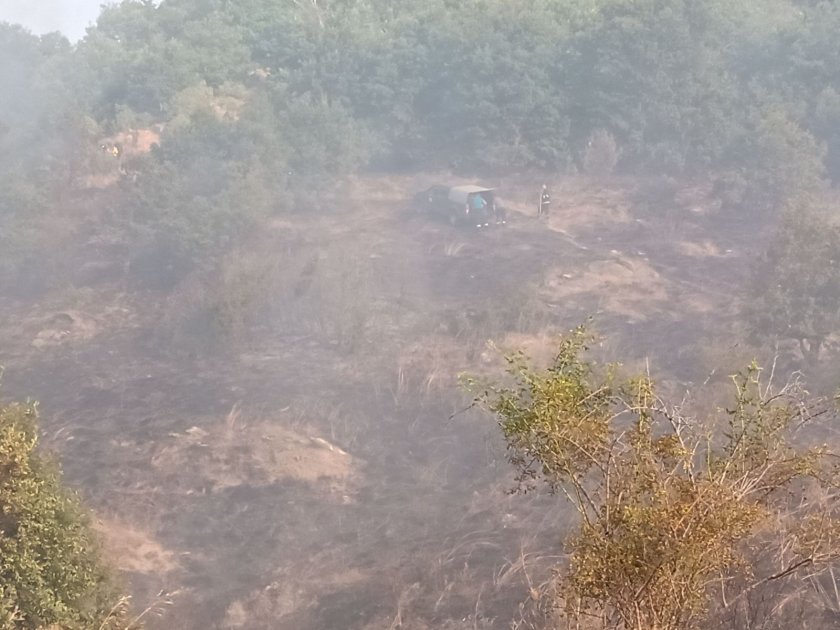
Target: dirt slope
<point x="305" y="473"/>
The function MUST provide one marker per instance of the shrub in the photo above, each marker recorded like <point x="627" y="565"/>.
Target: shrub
<point x="602" y="154"/>
<point x="51" y="573"/>
<point x="794" y="291"/>
<point x="670" y="505"/>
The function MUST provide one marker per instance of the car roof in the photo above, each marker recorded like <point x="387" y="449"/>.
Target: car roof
<point x="461" y="193"/>
<point x="468" y="189"/>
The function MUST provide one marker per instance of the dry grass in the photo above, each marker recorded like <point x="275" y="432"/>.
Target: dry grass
<point x="430" y="533"/>
<point x="134" y="550"/>
<point x="339" y="425"/>
<point x="623" y="285"/>
<point x="454" y="249"/>
<point x="426" y="368"/>
<point x="259" y="451"/>
<point x="121" y="617"/>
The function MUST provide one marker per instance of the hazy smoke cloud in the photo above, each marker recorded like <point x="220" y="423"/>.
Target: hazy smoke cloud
<point x="71" y="17"/>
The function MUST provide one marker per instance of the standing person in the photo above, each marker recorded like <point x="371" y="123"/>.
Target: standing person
<point x="499" y="212"/>
<point x="545" y="201"/>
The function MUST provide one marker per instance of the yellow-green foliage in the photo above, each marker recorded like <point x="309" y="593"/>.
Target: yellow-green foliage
<point x="50" y="571"/>
<point x="669" y="505"/>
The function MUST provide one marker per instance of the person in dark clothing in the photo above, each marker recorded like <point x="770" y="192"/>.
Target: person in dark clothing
<point x="499" y="212"/>
<point x="545" y="202"/>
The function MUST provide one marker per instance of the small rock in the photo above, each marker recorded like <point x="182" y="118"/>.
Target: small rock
<point x="196" y="432"/>
<point x="322" y="443"/>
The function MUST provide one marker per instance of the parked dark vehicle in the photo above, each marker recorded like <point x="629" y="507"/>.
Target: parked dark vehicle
<point x="459" y="205"/>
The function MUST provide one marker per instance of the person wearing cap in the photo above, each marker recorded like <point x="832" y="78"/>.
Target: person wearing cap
<point x="545" y="202"/>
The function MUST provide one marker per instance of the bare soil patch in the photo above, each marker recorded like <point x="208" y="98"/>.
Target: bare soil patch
<point x="702" y="249"/>
<point x="134" y="550"/>
<point x="247" y="453"/>
<point x="622" y="285"/>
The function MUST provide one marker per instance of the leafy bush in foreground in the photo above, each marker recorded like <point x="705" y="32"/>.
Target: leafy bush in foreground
<point x="51" y="574"/>
<point x="679" y="518"/>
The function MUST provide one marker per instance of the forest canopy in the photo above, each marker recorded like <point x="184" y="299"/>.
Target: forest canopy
<point x="680" y="85"/>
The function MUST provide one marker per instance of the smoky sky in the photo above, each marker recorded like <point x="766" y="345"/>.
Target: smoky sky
<point x="70" y="17"/>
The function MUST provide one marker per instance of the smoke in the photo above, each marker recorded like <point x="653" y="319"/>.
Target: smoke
<point x="70" y="17"/>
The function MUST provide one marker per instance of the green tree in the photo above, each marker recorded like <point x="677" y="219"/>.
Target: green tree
<point x="652" y="73"/>
<point x="181" y="207"/>
<point x="796" y="285"/>
<point x="778" y="163"/>
<point x="493" y="94"/>
<point x="826" y="125"/>
<point x="797" y="66"/>
<point x="51" y="573"/>
<point x="669" y="505"/>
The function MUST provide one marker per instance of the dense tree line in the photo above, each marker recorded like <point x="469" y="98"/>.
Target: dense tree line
<point x="681" y="85"/>
<point x="278" y="98"/>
